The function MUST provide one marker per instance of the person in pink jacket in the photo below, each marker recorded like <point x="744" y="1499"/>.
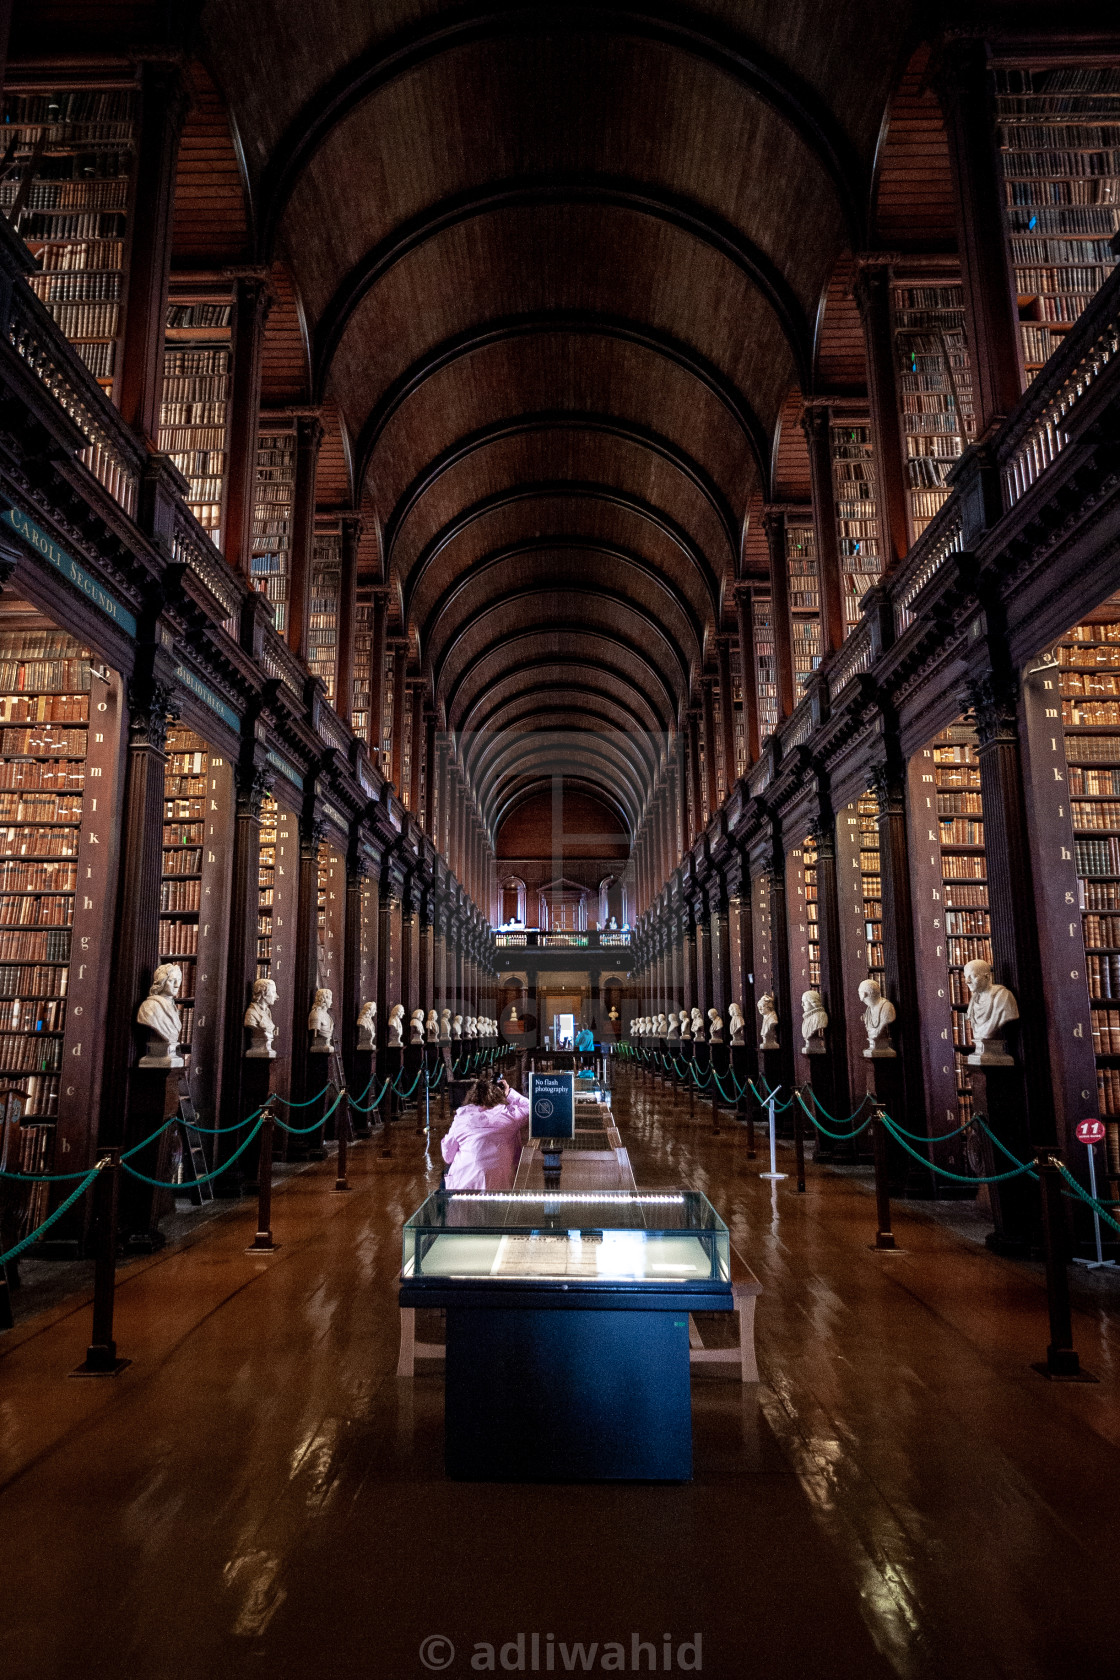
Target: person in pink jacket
<point x="482" y="1148"/>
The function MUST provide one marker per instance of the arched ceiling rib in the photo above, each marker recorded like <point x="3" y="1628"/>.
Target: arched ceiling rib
<point x="560" y="265"/>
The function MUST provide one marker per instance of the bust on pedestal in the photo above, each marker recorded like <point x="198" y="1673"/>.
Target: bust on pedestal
<point x="814" y="1021"/>
<point x="715" y="1027"/>
<point x="737" y="1026"/>
<point x="697" y="1027"/>
<point x="367" y="1027"/>
<point x="431" y="1027"/>
<point x="456" y="1028"/>
<point x="878" y="1015"/>
<point x="686" y="1027"/>
<point x="416" y="1027"/>
<point x="319" y="1023"/>
<point x="445" y="1026"/>
<point x="159" y="1016"/>
<point x="990" y="1009"/>
<point x="768" y="1010"/>
<point x="258" y="1019"/>
<point x="395" y="1029"/>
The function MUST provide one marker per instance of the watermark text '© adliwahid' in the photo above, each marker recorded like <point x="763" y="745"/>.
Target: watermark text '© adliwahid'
<point x="544" y="1653"/>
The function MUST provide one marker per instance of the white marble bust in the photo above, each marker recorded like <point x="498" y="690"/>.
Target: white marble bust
<point x="258" y="1019"/>
<point x="431" y="1027"/>
<point x="416" y="1027"/>
<point x="715" y="1027"/>
<point x="768" y="1010"/>
<point x="367" y="1027"/>
<point x="736" y="1024"/>
<point x="159" y="1016"/>
<point x="814" y="1021"/>
<point x="456" y="1027"/>
<point x="662" y="1026"/>
<point x="686" y="1026"/>
<point x="698" y="1036"/>
<point x="990" y="1008"/>
<point x="878" y="1015"/>
<point x="674" y="1031"/>
<point x="320" y="1024"/>
<point x="445" y="1026"/>
<point x="394" y="1034"/>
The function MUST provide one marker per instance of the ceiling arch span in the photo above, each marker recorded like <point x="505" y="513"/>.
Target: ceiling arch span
<point x="746" y="62"/>
<point x="489" y="569"/>
<point x="560" y="489"/>
<point x="613" y="685"/>
<point x="542" y="768"/>
<point x="564" y="420"/>
<point x="574" y="644"/>
<point x="555" y="697"/>
<point x="564" y="323"/>
<point x="620" y="193"/>
<point x="623" y="621"/>
<point x="495" y="753"/>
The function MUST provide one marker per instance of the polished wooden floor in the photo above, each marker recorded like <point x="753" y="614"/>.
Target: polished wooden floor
<point x="259" y="1494"/>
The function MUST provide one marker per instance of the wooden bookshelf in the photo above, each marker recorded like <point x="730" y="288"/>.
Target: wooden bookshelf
<point x="68" y="193"/>
<point x="1089" y="681"/>
<point x="857" y="514"/>
<point x="867" y="818"/>
<point x="360" y="699"/>
<point x="934" y="378"/>
<point x="812" y="909"/>
<point x="804" y="601"/>
<point x="44" y="717"/>
<point x="194" y="407"/>
<point x="273" y="498"/>
<point x="185" y="793"/>
<point x="763" y="627"/>
<point x="964" y="883"/>
<point x="1058" y="135"/>
<point x="326" y="588"/>
<point x="266" y="883"/>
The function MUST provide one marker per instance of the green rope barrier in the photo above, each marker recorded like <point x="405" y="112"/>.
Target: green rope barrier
<point x="404" y="1095"/>
<point x="289" y="1104"/>
<point x="838" y="1137"/>
<point x="301" y="1131"/>
<point x="835" y="1118"/>
<point x="193" y="1183"/>
<point x="722" y="1092"/>
<point x="960" y="1178"/>
<point x="44" y="1178"/>
<point x="372" y="1107"/>
<point x="764" y="1102"/>
<point x="1085" y="1197"/>
<point x="63" y="1207"/>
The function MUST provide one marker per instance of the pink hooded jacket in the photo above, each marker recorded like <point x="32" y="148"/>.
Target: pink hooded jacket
<point x="481" y="1148"/>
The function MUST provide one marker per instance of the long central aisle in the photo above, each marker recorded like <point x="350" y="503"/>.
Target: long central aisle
<point x="260" y="1494"/>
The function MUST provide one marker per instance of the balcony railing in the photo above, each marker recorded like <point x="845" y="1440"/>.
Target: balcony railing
<point x="191" y="547"/>
<point x="281" y="663"/>
<point x="533" y="940"/>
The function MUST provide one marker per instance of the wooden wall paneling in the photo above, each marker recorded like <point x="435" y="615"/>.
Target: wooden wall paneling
<point x="900" y="976"/>
<point x="935" y="1016"/>
<point x="309" y="437"/>
<point x="853" y="943"/>
<point x="252" y="780"/>
<point x="91" y="944"/>
<point x="285" y="934"/>
<point x="1069" y="1019"/>
<point x="212" y="966"/>
<point x="837" y="1095"/>
<point x="800" y="979"/>
<point x="163" y="107"/>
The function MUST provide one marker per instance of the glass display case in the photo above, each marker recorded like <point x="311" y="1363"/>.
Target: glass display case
<point x="667" y="1240"/>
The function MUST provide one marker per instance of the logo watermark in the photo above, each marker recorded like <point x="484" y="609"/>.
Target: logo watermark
<point x="544" y="1653"/>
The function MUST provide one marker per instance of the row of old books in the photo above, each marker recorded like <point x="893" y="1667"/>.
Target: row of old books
<point x="38" y="877"/>
<point x="1099" y="814"/>
<point x="1098" y="857"/>
<point x="60" y="774"/>
<point x="46" y="910"/>
<point x="178" y="939"/>
<point x="179" y="895"/>
<point x="55" y="842"/>
<point x="32" y="1015"/>
<point x="1104" y="976"/>
<point x="29" y="980"/>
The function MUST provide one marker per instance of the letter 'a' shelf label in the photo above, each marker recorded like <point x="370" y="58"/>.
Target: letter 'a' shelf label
<point x="70" y="569"/>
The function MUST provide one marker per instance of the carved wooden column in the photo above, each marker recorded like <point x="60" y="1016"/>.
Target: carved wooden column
<point x="347" y="606"/>
<point x="378" y="649"/>
<point x="252" y="780"/>
<point x="900" y="982"/>
<point x="400" y="692"/>
<point x="774" y="524"/>
<point x="303" y="980"/>
<point x="309" y="439"/>
<point x="836" y="1091"/>
<point x="136" y="943"/>
<point x="252" y="301"/>
<point x="163" y="108"/>
<point x="817" y="425"/>
<point x="748" y="664"/>
<point x="696" y="807"/>
<point x="707" y="721"/>
<point x="352" y="999"/>
<point x="431" y="772"/>
<point x="418" y="743"/>
<point x="990" y="300"/>
<point x="788" y="1020"/>
<point x="1019" y="1100"/>
<point x="872" y="295"/>
<point x="726" y="714"/>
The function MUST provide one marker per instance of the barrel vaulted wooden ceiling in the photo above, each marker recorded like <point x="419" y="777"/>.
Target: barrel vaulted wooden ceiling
<point x="554" y="271"/>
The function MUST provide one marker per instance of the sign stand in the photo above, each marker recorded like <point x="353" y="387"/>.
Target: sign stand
<point x="773" y="1173"/>
<point x="1090" y="1133"/>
